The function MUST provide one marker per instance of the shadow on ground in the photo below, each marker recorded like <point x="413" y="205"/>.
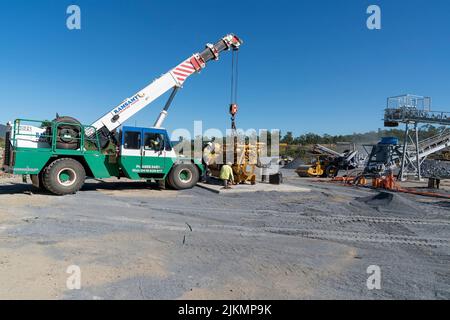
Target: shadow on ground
<point x="101" y="185"/>
<point x="16" y="188"/>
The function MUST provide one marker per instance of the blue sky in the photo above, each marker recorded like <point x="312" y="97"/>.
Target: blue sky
<point x="306" y="66"/>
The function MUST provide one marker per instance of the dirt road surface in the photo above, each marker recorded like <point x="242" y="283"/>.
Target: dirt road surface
<point x="133" y="241"/>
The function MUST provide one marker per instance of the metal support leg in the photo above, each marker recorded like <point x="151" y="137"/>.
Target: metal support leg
<point x="164" y="112"/>
<point x="419" y="173"/>
<point x="405" y="145"/>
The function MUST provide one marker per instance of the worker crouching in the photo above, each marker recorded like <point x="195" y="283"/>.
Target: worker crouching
<point x="226" y="175"/>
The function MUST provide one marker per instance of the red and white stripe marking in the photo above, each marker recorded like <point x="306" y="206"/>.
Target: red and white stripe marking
<point x="184" y="70"/>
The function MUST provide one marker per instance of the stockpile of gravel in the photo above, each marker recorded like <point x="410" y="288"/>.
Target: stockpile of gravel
<point x="297" y="162"/>
<point x="436" y="169"/>
<point x="388" y="201"/>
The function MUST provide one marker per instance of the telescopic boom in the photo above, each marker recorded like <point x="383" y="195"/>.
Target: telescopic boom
<point x="174" y="79"/>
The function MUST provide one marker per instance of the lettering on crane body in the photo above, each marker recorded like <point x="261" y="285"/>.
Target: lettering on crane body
<point x="147" y="169"/>
<point x="128" y="103"/>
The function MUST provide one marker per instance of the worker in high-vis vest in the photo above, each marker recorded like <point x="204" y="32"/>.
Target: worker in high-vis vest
<point x="226" y="174"/>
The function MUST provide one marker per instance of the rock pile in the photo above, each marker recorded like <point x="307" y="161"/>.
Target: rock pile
<point x="436" y="169"/>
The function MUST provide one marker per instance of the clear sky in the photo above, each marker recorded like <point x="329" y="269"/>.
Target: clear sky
<point x="306" y="66"/>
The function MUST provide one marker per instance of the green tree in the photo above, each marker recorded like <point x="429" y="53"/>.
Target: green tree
<point x="288" y="138"/>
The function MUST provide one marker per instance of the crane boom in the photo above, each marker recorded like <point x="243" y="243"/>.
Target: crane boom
<point x="173" y="79"/>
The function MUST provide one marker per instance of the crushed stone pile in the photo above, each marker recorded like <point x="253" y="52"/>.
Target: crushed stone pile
<point x="436" y="169"/>
<point x="387" y="201"/>
<point x="297" y="162"/>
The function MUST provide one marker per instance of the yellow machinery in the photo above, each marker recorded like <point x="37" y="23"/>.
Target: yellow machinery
<point x="246" y="160"/>
<point x="323" y="167"/>
<point x="314" y="170"/>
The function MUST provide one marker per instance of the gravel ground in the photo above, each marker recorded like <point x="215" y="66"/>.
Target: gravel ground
<point x="132" y="241"/>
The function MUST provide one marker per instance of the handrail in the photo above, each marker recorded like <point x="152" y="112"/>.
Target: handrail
<point x="405" y="114"/>
<point x="83" y="138"/>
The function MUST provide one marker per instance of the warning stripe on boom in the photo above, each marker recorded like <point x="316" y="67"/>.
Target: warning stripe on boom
<point x="183" y="70"/>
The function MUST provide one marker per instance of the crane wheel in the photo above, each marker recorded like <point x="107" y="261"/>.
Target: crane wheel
<point x="39" y="178"/>
<point x="64" y="176"/>
<point x="168" y="185"/>
<point x="183" y="176"/>
<point x="69" y="133"/>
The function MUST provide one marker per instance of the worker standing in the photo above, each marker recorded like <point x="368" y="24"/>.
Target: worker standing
<point x="226" y="174"/>
<point x="208" y="155"/>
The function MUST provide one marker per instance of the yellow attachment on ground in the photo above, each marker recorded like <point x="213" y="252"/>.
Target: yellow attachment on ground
<point x="315" y="170"/>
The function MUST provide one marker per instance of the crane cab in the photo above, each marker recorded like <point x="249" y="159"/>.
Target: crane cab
<point x="145" y="153"/>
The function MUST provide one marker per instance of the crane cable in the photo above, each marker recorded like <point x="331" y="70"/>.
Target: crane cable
<point x="234" y="88"/>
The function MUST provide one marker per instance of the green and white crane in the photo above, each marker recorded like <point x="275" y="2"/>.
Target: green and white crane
<point x="60" y="154"/>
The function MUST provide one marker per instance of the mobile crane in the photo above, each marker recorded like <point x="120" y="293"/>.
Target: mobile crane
<point x="59" y="154"/>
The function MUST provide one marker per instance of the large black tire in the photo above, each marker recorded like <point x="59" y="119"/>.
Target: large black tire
<point x="71" y="131"/>
<point x="41" y="181"/>
<point x="168" y="185"/>
<point x="64" y="176"/>
<point x="183" y="176"/>
<point x="331" y="171"/>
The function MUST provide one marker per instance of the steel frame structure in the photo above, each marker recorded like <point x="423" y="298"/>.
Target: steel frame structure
<point x="412" y="110"/>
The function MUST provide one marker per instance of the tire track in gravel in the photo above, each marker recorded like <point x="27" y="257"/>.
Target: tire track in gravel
<point x="197" y="213"/>
<point x="309" y="226"/>
<point x="363" y="237"/>
<point x="311" y="232"/>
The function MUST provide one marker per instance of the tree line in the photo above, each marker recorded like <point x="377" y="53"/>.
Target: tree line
<point x="370" y="137"/>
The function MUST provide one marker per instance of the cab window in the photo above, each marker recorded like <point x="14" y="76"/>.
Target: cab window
<point x="153" y="141"/>
<point x="132" y="140"/>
